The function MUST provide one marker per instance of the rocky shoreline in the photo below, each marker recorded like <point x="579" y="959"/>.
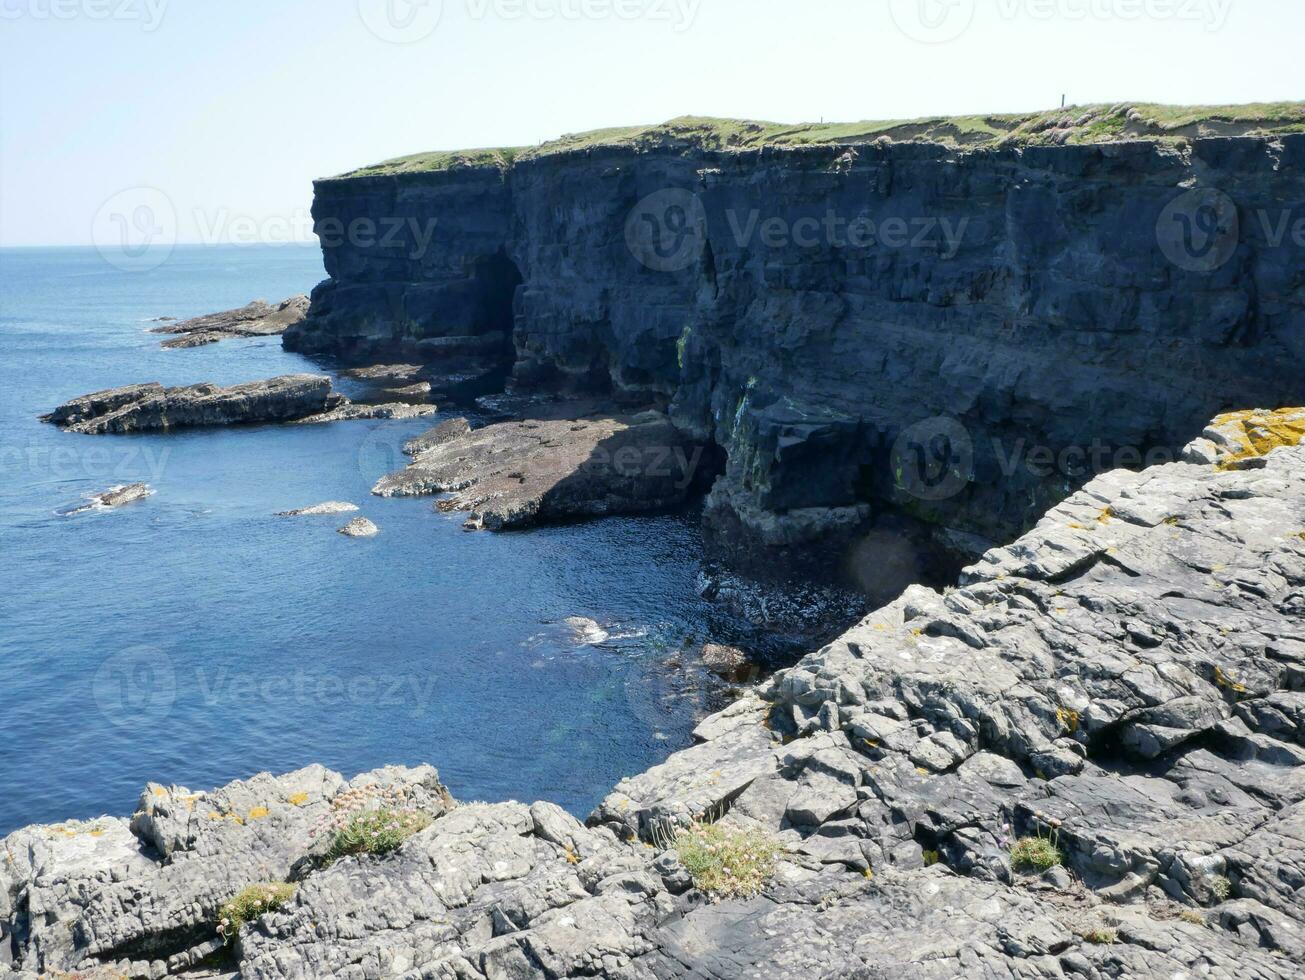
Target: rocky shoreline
<point x="296" y="398"/>
<point x="257" y="319"/>
<point x="1122" y="689"/>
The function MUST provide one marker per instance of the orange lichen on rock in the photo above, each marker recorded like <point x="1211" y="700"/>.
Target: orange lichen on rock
<point x="1257" y="433"/>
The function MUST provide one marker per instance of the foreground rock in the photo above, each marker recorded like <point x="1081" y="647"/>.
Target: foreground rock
<point x="258" y="319"/>
<point x="1126" y="681"/>
<point x="305" y="398"/>
<point x="360" y="527"/>
<point x="330" y="507"/>
<point x="516" y="474"/>
<point x="114" y="497"/>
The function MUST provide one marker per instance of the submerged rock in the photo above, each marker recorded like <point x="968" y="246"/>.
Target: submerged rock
<point x="360" y="527"/>
<point x="303" y="398"/>
<point x="585" y="631"/>
<point x="330" y="507"/>
<point x="258" y="319"/>
<point x="515" y="474"/>
<point x="114" y="497"/>
<point x="728" y="662"/>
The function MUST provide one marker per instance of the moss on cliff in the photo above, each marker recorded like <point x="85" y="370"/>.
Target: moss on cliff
<point x="1073" y="124"/>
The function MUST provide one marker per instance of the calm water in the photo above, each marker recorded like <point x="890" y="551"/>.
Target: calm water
<point x="195" y="638"/>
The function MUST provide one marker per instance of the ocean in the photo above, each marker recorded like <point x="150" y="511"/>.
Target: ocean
<point x="195" y="638"/>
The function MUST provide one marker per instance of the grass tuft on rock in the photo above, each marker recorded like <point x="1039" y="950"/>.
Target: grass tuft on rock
<point x="377" y="832"/>
<point x="1101" y="936"/>
<point x="728" y="862"/>
<point x="252" y="902"/>
<point x="1035" y="854"/>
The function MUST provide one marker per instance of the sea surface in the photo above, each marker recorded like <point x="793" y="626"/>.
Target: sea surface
<point x="195" y="638"/>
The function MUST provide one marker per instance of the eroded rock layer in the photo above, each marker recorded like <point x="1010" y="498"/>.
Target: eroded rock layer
<point x="1125" y="684"/>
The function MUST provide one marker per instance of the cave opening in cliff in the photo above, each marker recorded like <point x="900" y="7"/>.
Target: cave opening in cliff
<point x="497" y="279"/>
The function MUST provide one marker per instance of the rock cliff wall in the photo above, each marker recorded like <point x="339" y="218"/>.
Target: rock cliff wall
<point x="961" y="337"/>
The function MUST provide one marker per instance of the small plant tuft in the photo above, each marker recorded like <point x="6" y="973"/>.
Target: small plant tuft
<point x="254" y="901"/>
<point x="727" y="862"/>
<point x="1192" y="917"/>
<point x="1036" y="854"/>
<point x="1102" y="936"/>
<point x="377" y="832"/>
<point x="1221" y="887"/>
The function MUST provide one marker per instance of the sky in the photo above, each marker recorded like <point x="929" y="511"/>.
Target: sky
<point x="222" y="113"/>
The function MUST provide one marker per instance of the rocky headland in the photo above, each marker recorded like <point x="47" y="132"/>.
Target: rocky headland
<point x="257" y="319"/>
<point x="299" y="398"/>
<point x="1087" y="759"/>
<point x="935" y="330"/>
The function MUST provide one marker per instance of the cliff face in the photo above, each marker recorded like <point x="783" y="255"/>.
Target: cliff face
<point x="963" y="337"/>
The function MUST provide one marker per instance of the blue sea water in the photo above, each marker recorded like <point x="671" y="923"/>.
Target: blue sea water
<point x="195" y="638"/>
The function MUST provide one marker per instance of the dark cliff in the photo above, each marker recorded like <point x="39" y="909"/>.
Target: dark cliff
<point x="938" y="337"/>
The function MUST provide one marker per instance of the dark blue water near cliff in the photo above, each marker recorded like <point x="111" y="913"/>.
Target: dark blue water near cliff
<point x="195" y="638"/>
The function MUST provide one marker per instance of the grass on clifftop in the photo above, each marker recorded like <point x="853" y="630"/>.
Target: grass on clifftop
<point x="1073" y="125"/>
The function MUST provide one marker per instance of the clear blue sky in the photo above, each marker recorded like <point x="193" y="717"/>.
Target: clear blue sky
<point x="230" y="108"/>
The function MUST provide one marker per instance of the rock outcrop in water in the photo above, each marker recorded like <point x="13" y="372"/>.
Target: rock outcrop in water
<point x="958" y="336"/>
<point x="301" y="398"/>
<point x="1125" y="683"/>
<point x="259" y="319"/>
<point x="517" y="474"/>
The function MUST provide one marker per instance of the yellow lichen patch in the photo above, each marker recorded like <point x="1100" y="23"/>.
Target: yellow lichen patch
<point x="867" y="873"/>
<point x="871" y="742"/>
<point x="1257" y="433"/>
<point x="160" y="792"/>
<point x="1068" y="719"/>
<point x="298" y="799"/>
<point x="922" y="771"/>
<point x="1106" y="516"/>
<point x="1172" y="521"/>
<point x="1228" y="683"/>
<point x="97" y="833"/>
<point x="931" y="858"/>
<point x="214" y="815"/>
<point x="1077" y="526"/>
<point x="571" y="856"/>
<point x="258" y="813"/>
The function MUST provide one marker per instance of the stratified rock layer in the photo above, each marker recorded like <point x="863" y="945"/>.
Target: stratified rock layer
<point x="854" y="325"/>
<point x="1126" y="681"/>
<point x="259" y="319"/>
<point x="516" y="474"/>
<point x="301" y="398"/>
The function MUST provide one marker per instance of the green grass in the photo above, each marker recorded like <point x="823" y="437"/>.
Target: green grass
<point x="252" y="902"/>
<point x="377" y="832"/>
<point x="1100" y="123"/>
<point x="727" y="862"/>
<point x="1035" y="854"/>
<point x="1102" y="936"/>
